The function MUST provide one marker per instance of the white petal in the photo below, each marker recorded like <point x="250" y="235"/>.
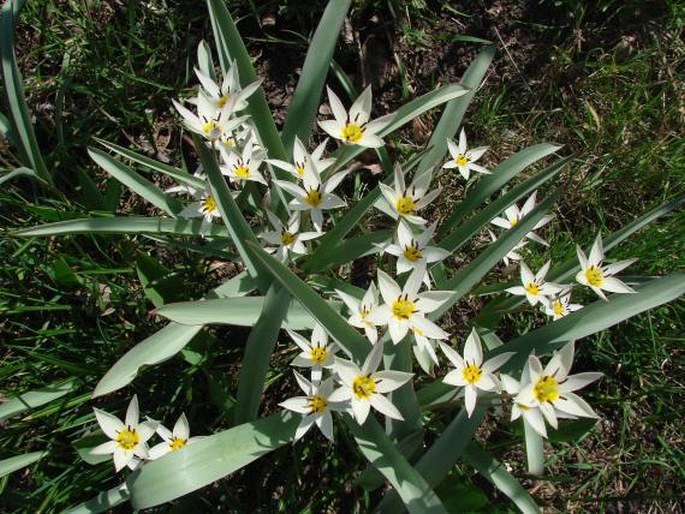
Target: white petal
<point x="388" y="287"/>
<point x="470" y="396"/>
<point x="385" y="406"/>
<point x="614" y="285"/>
<point x="339" y="111"/>
<point x="390" y="380"/>
<point x="109" y="424"/>
<point x="361" y="108"/>
<point x="578" y="381"/>
<point x="373" y="360"/>
<point x="360" y="409"/>
<point x="496" y="362"/>
<point x="534" y="418"/>
<point x="473" y="351"/>
<point x="104" y="448"/>
<point x="159" y="450"/>
<point x="452" y="355"/>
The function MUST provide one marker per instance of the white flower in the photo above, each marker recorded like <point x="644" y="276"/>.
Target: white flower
<point x="230" y="89"/>
<point x="209" y="121"/>
<point x="243" y="166"/>
<point x="205" y="206"/>
<point x="471" y="372"/>
<point x="316" y="406"/>
<point x="532" y="416"/>
<point x="173" y="440"/>
<point x="463" y="159"/>
<point x="514" y="215"/>
<point x="513" y="254"/>
<point x="287" y="239"/>
<point x="406" y="201"/>
<point x="361" y="310"/>
<point x="412" y="251"/>
<point x="559" y="306"/>
<point x="551" y="389"/>
<point x="365" y="387"/>
<point x="534" y="287"/>
<point x="314" y="196"/>
<point x="405" y="309"/>
<point x="302" y="160"/>
<point x="599" y="277"/>
<point x="354" y="127"/>
<point x="316" y="354"/>
<point x="128" y="439"/>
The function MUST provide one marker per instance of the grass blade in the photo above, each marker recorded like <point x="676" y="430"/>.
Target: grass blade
<point x="33" y="399"/>
<point x="13" y="464"/>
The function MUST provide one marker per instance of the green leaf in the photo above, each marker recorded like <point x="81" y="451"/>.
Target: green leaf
<point x="258" y="349"/>
<point x="18" y="172"/>
<point x="6" y="130"/>
<point x="135" y="182"/>
<point x="535" y="455"/>
<point x="157" y="348"/>
<point x="204" y="60"/>
<point x="487" y="466"/>
<point x="154" y="165"/>
<point x="243" y="312"/>
<point x="240" y="285"/>
<point x="209" y="459"/>
<point x="305" y="100"/>
<point x="412" y="488"/>
<point x="159" y="284"/>
<point x="125" y="225"/>
<point x="32" y="399"/>
<point x="347" y="337"/>
<point x="103" y="502"/>
<point x="12" y="464"/>
<point x="351" y="249"/>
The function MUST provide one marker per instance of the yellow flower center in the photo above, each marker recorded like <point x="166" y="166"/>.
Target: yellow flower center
<point x="558" y="308"/>
<point x="405" y="205"/>
<point x="472" y="373"/>
<point x="128" y="439"/>
<point x="210" y="129"/>
<point x="412" y="252"/>
<point x="314" y="198"/>
<point x="287" y="238"/>
<point x="594" y="276"/>
<point x="363" y="387"/>
<point x="352" y="133"/>
<point x="403" y="308"/>
<point x="418" y="331"/>
<point x="461" y="160"/>
<point x="209" y="205"/>
<point x="532" y="288"/>
<point x="317" y="404"/>
<point x="514" y="221"/>
<point x="242" y="171"/>
<point x="222" y="101"/>
<point x="177" y="443"/>
<point x="318" y="354"/>
<point x="299" y="168"/>
<point x="546" y="390"/>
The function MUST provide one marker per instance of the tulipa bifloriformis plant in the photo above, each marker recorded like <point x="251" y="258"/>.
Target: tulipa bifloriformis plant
<point x="355" y="366"/>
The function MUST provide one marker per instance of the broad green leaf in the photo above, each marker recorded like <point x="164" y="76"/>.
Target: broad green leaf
<point x="258" y="349"/>
<point x="454" y="111"/>
<point x="495" y="472"/>
<point x="401" y="358"/>
<point x="21" y="117"/>
<point x="32" y="399"/>
<point x="209" y="459"/>
<point x="157" y="348"/>
<point x="240" y="285"/>
<point x="239" y="311"/>
<point x="350" y="249"/>
<point x="125" y="225"/>
<point x="412" y="488"/>
<point x="135" y="182"/>
<point x="442" y="455"/>
<point x="103" y="502"/>
<point x="154" y="165"/>
<point x="230" y="46"/>
<point x="347" y="337"/>
<point x="305" y="100"/>
<point x="12" y="464"/>
<point x="490" y="184"/>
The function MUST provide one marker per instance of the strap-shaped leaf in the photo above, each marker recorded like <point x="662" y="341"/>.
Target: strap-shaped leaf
<point x="103" y="502"/>
<point x="412" y="488"/>
<point x="125" y="225"/>
<point x="18" y="172"/>
<point x="347" y="337"/>
<point x="209" y="459"/>
<point x="32" y="399"/>
<point x="350" y="249"/>
<point x="135" y="182"/>
<point x="12" y="464"/>
<point x="307" y="96"/>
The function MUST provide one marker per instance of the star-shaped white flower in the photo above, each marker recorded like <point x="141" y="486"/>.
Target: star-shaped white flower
<point x="302" y="159"/>
<point x="354" y="127"/>
<point x="559" y="306"/>
<point x="463" y="159"/>
<point x="551" y="389"/>
<point x="361" y="310"/>
<point x="598" y="277"/>
<point x="316" y="406"/>
<point x="316" y="353"/>
<point x="532" y="416"/>
<point x="407" y="201"/>
<point x="287" y="238"/>
<point x="471" y="372"/>
<point x="243" y="166"/>
<point x="209" y="121"/>
<point x="364" y="387"/>
<point x="405" y="309"/>
<point x="174" y="440"/>
<point x="534" y="287"/>
<point x="128" y="439"/>
<point x="514" y="215"/>
<point x="314" y="196"/>
<point x="205" y="206"/>
<point x="229" y="90"/>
